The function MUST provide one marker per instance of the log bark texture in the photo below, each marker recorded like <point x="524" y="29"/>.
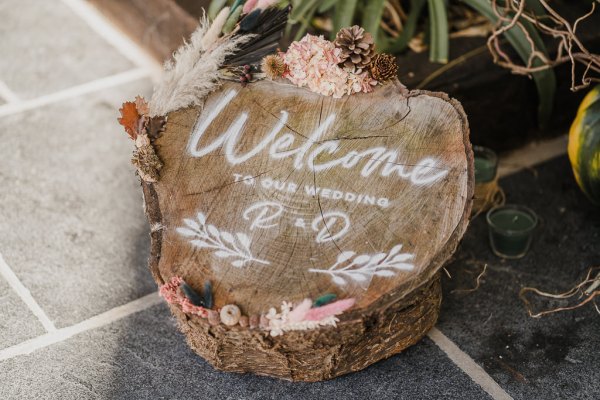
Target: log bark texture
<point x="249" y="198"/>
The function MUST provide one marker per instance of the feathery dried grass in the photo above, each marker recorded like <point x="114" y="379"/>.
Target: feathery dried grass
<point x="193" y="72"/>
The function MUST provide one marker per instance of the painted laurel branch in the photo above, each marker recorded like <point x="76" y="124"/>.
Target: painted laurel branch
<point x="225" y="244"/>
<point x="361" y="268"/>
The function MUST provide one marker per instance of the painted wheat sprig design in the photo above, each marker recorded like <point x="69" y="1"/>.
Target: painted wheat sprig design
<point x="361" y="268"/>
<point x="224" y="244"/>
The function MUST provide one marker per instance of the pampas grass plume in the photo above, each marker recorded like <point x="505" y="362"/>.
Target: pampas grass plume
<point x="214" y="31"/>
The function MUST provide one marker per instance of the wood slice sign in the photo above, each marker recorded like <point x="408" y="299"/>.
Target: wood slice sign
<point x="275" y="194"/>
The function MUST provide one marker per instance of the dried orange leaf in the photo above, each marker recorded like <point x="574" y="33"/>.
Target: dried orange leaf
<point x="129" y="119"/>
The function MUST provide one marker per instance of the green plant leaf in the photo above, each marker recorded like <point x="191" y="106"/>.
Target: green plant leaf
<point x="214" y="8"/>
<point x="536" y="7"/>
<point x="300" y="12"/>
<point x="438" y="24"/>
<point x="416" y="7"/>
<point x="303" y="13"/>
<point x="343" y="15"/>
<point x="327" y="4"/>
<point x="372" y="17"/>
<point x="545" y="81"/>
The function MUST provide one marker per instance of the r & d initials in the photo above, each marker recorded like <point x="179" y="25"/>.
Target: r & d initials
<point x="330" y="225"/>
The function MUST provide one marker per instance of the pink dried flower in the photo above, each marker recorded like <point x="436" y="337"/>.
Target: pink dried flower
<point x="313" y="62"/>
<point x="172" y="294"/>
<point x="299" y="312"/>
<point x="249" y="6"/>
<point x="361" y="83"/>
<point x="170" y="290"/>
<point x="335" y="308"/>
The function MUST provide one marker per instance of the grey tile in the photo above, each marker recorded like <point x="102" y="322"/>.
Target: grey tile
<point x="73" y="228"/>
<point x="45" y="47"/>
<point x="17" y="323"/>
<point x="144" y="356"/>
<point x="556" y="356"/>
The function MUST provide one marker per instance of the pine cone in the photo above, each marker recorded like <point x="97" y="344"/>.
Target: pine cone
<point x="357" y="47"/>
<point x="383" y="67"/>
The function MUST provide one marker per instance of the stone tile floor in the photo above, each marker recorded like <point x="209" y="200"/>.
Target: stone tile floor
<point x="71" y="221"/>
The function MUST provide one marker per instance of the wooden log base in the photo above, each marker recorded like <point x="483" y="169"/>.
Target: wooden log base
<point x="318" y="354"/>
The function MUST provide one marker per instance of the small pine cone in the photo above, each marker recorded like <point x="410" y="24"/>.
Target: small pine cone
<point x="358" y="48"/>
<point x="273" y="66"/>
<point x="147" y="163"/>
<point x="384" y="67"/>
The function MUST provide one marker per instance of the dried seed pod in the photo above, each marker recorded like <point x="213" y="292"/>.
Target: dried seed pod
<point x="213" y="318"/>
<point x="230" y="314"/>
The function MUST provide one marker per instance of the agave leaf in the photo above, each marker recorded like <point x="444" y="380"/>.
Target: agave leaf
<point x="408" y="31"/>
<point x="545" y="81"/>
<point x="438" y="25"/>
<point x="327" y="4"/>
<point x="343" y="15"/>
<point x="304" y="14"/>
<point x="536" y="7"/>
<point x="372" y="17"/>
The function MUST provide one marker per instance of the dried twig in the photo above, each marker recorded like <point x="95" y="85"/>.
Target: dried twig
<point x="568" y="294"/>
<point x="477" y="282"/>
<point x="513" y="14"/>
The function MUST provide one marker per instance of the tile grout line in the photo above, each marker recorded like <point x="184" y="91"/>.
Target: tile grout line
<point x="7" y="94"/>
<point x="74" y="91"/>
<point x="62" y="334"/>
<point x="25" y="295"/>
<point x="468" y="365"/>
<point x="116" y="38"/>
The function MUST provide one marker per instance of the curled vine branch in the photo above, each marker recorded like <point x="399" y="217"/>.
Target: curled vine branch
<point x="587" y="294"/>
<point x="570" y="49"/>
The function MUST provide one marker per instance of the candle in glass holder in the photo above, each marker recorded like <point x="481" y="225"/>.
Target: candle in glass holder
<point x="486" y="164"/>
<point x="511" y="230"/>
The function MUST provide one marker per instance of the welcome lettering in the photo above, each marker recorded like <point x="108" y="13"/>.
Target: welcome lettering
<point x="374" y="160"/>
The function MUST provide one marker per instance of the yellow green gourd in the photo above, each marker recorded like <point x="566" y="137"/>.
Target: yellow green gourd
<point x="584" y="145"/>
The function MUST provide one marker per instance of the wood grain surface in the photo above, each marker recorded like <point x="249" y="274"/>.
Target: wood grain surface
<point x="301" y="194"/>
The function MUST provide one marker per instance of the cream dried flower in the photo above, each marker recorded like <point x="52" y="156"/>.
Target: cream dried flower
<point x="273" y="66"/>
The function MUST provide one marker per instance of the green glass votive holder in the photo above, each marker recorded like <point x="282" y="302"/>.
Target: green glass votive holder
<point x="486" y="164"/>
<point x="511" y="230"/>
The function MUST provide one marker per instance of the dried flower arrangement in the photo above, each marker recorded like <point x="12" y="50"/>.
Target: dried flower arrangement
<point x="305" y="315"/>
<point x="143" y="130"/>
<point x="346" y="66"/>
